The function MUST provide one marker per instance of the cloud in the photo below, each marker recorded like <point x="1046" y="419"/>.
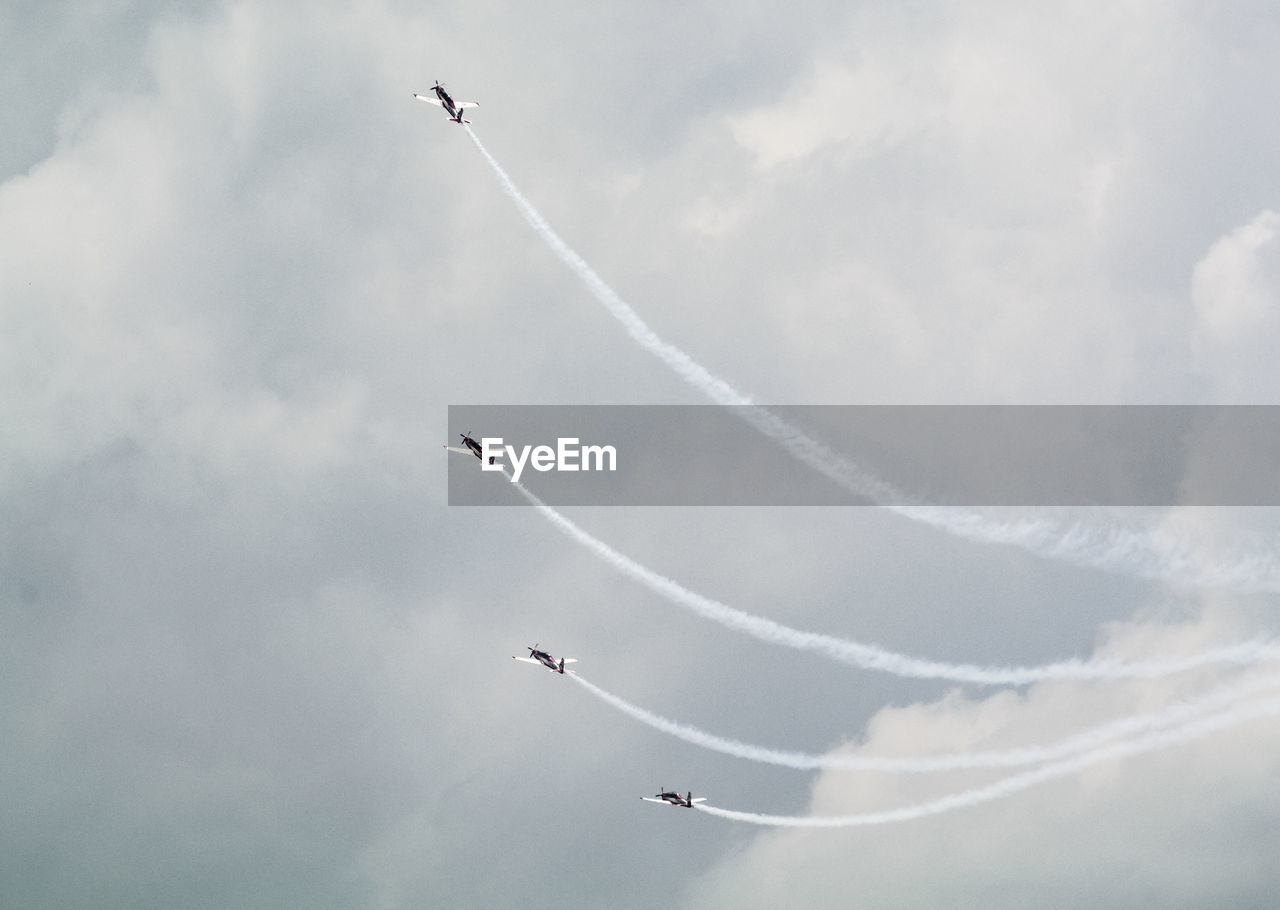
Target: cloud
<point x="249" y="658"/>
<point x="204" y="263"/>
<point x="1229" y="287"/>
<point x="934" y="208"/>
<point x="878" y="106"/>
<point x="1067" y="840"/>
<point x="1234" y="289"/>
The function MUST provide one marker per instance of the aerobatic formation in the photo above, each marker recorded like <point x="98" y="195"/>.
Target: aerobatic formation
<point x="1107" y="547"/>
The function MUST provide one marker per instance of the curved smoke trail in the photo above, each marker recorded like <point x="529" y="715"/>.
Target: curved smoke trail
<point x="1106" y="548"/>
<point x="1010" y="785"/>
<point x="874" y="657"/>
<point x="1175" y="715"/>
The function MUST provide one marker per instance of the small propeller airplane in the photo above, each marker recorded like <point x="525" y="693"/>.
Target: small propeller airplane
<point x="675" y="799"/>
<point x="542" y="657"/>
<point x="442" y="99"/>
<point x="471" y="446"/>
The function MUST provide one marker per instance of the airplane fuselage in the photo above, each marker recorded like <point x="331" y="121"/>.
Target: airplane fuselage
<point x="452" y="108"/>
<point x="675" y="799"/>
<point x="455" y="112"/>
<point x="547" y="661"/>
<point x="474" y="448"/>
<point x="447" y="102"/>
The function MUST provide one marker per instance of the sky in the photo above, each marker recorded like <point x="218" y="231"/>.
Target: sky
<point x="252" y="658"/>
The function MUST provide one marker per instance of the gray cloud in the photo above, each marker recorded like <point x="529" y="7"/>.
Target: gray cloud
<point x="249" y="657"/>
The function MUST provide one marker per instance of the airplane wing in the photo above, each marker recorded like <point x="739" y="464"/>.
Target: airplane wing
<point x="528" y="660"/>
<point x="462" y="104"/>
<point x="436" y="101"/>
<point x="650" y="799"/>
<point x="458" y="450"/>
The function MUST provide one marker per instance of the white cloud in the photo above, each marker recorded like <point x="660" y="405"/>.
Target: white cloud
<point x="1066" y="840"/>
<point x="865" y="107"/>
<point x="200" y="261"/>
<point x="1229" y="286"/>
<point x="941" y="206"/>
<point x="1235" y="289"/>
<point x="251" y="272"/>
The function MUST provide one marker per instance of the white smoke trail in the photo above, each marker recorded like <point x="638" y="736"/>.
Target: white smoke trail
<point x="873" y="657"/>
<point x="1175" y="715"/>
<point x="681" y="363"/>
<point x="1010" y="785"/>
<point x="1108" y="548"/>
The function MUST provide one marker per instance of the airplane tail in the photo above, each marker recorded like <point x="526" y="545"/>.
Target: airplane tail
<point x="562" y="665"/>
<point x="688" y="799"/>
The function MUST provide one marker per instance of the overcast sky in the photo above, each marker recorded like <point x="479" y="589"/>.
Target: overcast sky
<point x="249" y="657"/>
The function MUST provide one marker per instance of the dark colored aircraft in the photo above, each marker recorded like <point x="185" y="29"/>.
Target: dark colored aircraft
<point x="442" y="99"/>
<point x="675" y="799"/>
<point x="542" y="657"/>
<point x="471" y="446"/>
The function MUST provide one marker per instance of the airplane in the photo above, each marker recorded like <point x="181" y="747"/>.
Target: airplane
<point x="675" y="799"/>
<point x="442" y="99"/>
<point x="542" y="657"/>
<point x="471" y="446"/>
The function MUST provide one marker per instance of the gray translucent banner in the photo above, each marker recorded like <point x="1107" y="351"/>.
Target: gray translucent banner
<point x="704" y="455"/>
